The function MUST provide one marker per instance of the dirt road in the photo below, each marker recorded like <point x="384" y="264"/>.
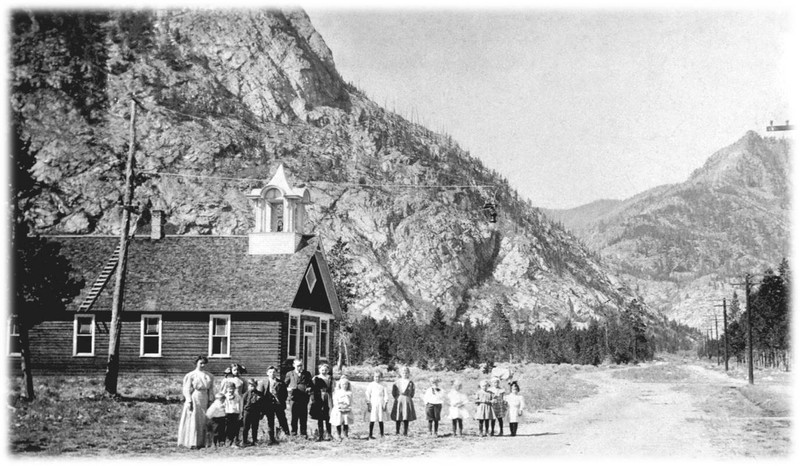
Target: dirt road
<point x="653" y="411"/>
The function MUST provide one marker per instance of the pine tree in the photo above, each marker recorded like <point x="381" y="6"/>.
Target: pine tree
<point x="733" y="308"/>
<point x="340" y="263"/>
<point x="497" y="337"/>
<point x="437" y="337"/>
<point x="43" y="279"/>
<point x="407" y="340"/>
<point x="466" y="346"/>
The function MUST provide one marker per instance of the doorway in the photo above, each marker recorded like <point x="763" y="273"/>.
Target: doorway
<point x="310" y="346"/>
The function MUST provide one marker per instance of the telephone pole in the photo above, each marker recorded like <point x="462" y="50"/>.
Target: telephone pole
<point x="725" y="331"/>
<point x="112" y="367"/>
<point x="749" y="329"/>
<point x="748" y="277"/>
<point x="716" y="330"/>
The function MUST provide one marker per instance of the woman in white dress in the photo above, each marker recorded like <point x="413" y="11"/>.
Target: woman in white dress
<point x="198" y="391"/>
<point x="377" y="402"/>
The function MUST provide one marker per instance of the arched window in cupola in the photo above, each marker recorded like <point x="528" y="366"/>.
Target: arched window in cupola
<point x="280" y="213"/>
<point x="274" y="203"/>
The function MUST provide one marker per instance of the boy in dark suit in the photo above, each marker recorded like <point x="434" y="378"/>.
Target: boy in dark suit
<point x="252" y="408"/>
<point x="298" y="384"/>
<point x="275" y="403"/>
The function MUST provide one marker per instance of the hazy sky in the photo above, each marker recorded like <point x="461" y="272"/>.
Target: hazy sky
<point x="573" y="105"/>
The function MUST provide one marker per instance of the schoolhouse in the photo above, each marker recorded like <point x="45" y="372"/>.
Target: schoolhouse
<point x="262" y="299"/>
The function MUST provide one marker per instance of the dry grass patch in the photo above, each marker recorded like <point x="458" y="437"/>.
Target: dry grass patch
<point x="71" y="417"/>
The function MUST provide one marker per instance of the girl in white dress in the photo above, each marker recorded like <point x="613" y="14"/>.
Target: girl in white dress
<point x="377" y="402"/>
<point x="516" y="404"/>
<point x="458" y="408"/>
<point x="342" y="412"/>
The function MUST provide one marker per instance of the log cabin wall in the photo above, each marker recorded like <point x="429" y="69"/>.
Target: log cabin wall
<point x="256" y="341"/>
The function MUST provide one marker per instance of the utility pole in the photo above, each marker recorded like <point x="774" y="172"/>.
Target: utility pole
<point x="725" y="330"/>
<point x="716" y="328"/>
<point x="112" y="367"/>
<point x="748" y="312"/>
<point x="749" y="329"/>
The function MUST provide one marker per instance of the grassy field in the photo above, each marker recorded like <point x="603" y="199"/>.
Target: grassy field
<point x="70" y="416"/>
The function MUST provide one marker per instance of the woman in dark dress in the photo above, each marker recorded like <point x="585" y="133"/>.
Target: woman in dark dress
<point x="322" y="401"/>
<point x="403" y="406"/>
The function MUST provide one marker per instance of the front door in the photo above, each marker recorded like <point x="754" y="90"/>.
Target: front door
<point x="310" y="346"/>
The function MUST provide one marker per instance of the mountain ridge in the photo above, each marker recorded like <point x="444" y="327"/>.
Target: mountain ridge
<point x="681" y="244"/>
<point x="225" y="113"/>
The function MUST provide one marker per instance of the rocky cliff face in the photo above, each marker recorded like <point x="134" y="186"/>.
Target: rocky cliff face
<point x="682" y="245"/>
<point x="225" y="97"/>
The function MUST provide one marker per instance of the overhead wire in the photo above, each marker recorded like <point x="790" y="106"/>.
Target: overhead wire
<point x="369" y="185"/>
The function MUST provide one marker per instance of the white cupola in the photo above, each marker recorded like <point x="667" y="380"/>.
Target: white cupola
<point x="280" y="214"/>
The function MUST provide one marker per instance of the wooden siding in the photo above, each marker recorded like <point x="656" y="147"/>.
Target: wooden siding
<point x="257" y="341"/>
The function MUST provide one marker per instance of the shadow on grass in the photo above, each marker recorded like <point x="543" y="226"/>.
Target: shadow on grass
<point x="162" y="400"/>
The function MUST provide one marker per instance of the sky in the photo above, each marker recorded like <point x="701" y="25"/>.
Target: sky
<point x="570" y="104"/>
<point x="573" y="105"/>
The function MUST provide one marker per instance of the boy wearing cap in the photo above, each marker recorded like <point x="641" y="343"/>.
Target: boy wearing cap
<point x="251" y="411"/>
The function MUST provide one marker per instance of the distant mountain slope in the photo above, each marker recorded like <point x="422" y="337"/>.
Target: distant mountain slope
<point x="682" y="243"/>
<point x="223" y="98"/>
<point x="581" y="216"/>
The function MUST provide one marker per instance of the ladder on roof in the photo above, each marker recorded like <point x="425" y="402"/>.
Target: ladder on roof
<point x="102" y="280"/>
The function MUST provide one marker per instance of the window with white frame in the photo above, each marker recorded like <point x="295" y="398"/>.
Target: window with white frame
<point x="150" y="342"/>
<point x="294" y="335"/>
<point x="219" y="336"/>
<point x="83" y="337"/>
<point x="324" y="331"/>
<point x="13" y="337"/>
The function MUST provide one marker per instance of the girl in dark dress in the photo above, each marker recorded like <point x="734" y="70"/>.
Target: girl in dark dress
<point x="403" y="406"/>
<point x="322" y="401"/>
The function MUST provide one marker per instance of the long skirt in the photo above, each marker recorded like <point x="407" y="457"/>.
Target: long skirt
<point x="192" y="427"/>
<point x="403" y="409"/>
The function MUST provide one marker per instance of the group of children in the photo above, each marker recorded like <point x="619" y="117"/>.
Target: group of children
<point x="493" y="405"/>
<point x="240" y="404"/>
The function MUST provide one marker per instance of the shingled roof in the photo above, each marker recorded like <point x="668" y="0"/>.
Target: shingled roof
<point x="192" y="273"/>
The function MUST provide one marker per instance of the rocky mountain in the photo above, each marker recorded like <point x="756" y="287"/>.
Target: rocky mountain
<point x="222" y="98"/>
<point x="683" y="244"/>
